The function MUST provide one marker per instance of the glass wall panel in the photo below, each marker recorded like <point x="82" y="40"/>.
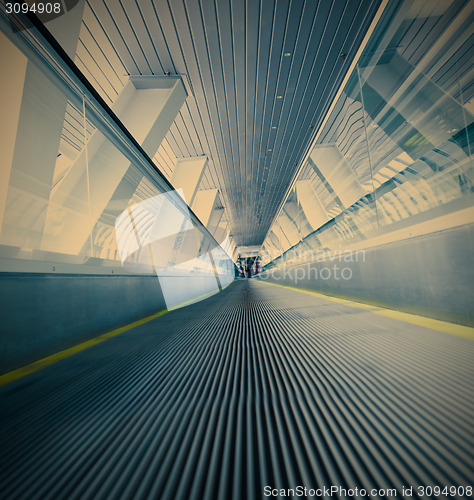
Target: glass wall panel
<point x="396" y="149"/>
<point x="80" y="196"/>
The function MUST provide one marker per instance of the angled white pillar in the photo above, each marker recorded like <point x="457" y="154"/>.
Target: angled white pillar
<point x="187" y="175"/>
<point x="310" y="204"/>
<point x="295" y="213"/>
<point x="284" y="240"/>
<point x="272" y="241"/>
<point x="418" y="92"/>
<point x="272" y="251"/>
<point x="186" y="178"/>
<point x="227" y="244"/>
<point x="214" y="220"/>
<point x="234" y="252"/>
<point x="268" y="252"/>
<point x="221" y="232"/>
<point x="153" y="108"/>
<point x="289" y="228"/>
<point x="14" y="63"/>
<point x="278" y="238"/>
<point x="33" y="114"/>
<point x="338" y="173"/>
<point x="203" y="205"/>
<point x="147" y="107"/>
<point x="66" y="27"/>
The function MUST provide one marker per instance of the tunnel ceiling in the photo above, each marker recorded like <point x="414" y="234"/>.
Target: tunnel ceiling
<point x="260" y="75"/>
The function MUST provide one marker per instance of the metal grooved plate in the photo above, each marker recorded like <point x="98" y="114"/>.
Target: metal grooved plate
<point x="239" y="392"/>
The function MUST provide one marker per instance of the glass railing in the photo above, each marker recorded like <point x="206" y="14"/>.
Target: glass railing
<point x="396" y="148"/>
<point x="79" y="193"/>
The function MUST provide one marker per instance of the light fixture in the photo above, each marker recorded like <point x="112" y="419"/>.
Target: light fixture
<point x="269" y="150"/>
<point x="287" y="54"/>
<point x="279" y="96"/>
<point x="273" y="128"/>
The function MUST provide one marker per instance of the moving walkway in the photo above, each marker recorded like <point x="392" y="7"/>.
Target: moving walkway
<point x="258" y="386"/>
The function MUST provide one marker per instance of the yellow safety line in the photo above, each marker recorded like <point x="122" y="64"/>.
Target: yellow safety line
<point x="54" y="358"/>
<point x="433" y="324"/>
<point x="66" y="353"/>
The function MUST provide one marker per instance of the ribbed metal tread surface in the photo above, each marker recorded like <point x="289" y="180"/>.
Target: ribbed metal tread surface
<point x="257" y="386"/>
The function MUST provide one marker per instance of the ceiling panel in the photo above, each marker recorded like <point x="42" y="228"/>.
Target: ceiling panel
<point x="251" y="109"/>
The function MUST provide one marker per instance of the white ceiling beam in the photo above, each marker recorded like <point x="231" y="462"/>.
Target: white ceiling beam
<point x="204" y="203"/>
<point x="188" y="174"/>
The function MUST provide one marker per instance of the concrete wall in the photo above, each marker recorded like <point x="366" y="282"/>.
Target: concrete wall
<point x="44" y="313"/>
<point x="430" y="275"/>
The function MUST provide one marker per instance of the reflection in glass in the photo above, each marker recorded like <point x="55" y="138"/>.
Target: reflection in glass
<point x="77" y="191"/>
<point x="397" y="145"/>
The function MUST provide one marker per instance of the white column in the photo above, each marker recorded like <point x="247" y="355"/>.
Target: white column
<point x="187" y="175"/>
<point x="203" y="205"/>
<point x="14" y="63"/>
<point x="221" y="232"/>
<point x="338" y="173"/>
<point x="66" y="27"/>
<point x="310" y="204"/>
<point x="278" y="238"/>
<point x="418" y="100"/>
<point x="34" y="115"/>
<point x="289" y="228"/>
<point x="214" y="220"/>
<point x="147" y="107"/>
<point x="234" y="252"/>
